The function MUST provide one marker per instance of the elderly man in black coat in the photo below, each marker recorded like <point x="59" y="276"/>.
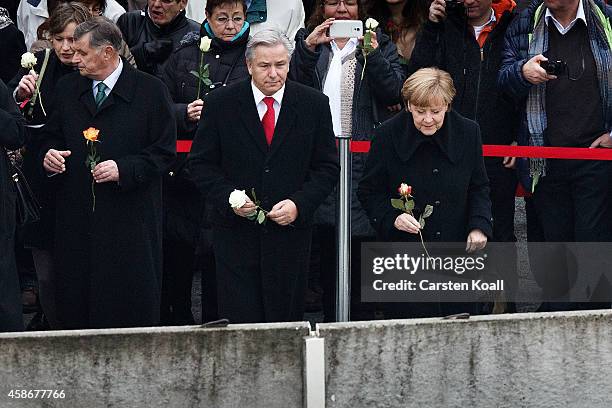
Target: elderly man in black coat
<point x="281" y="146"/>
<point x="11" y="137"/>
<point x="109" y="222"/>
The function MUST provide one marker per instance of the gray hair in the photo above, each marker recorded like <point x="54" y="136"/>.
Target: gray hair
<point x="103" y="32"/>
<point x="268" y="38"/>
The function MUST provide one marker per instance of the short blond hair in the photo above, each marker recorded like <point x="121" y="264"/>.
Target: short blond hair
<point x="428" y="86"/>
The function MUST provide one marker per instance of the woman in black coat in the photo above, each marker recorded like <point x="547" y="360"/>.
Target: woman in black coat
<point x="358" y="106"/>
<point x="39" y="236"/>
<point x="11" y="137"/>
<point x="439" y="154"/>
<point x="12" y="45"/>
<point x="228" y="32"/>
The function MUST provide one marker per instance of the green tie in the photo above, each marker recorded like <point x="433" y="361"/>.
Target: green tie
<point x="101" y="95"/>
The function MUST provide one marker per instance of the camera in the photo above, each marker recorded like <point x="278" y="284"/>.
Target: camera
<point x="454" y="7"/>
<point x="554" y="67"/>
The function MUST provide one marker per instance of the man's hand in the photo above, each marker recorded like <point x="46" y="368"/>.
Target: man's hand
<point x="509" y="162"/>
<point x="437" y="11"/>
<point x="407" y="223"/>
<point x="55" y="162"/>
<point x="283" y="213"/>
<point x="26" y="86"/>
<point x="602" y="141"/>
<point x="534" y="73"/>
<point x="194" y="110"/>
<point x="106" y="171"/>
<point x="247" y="209"/>
<point x="476" y="240"/>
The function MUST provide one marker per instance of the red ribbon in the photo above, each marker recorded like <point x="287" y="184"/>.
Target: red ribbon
<point x="184" y="146"/>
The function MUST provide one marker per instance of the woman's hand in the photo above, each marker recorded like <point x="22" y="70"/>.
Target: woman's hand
<point x="374" y="40"/>
<point x="319" y="35"/>
<point x="26" y="87"/>
<point x="194" y="110"/>
<point x="476" y="240"/>
<point x="407" y="223"/>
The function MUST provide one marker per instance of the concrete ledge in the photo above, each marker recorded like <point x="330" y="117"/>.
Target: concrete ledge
<point x="238" y="366"/>
<point x="521" y="360"/>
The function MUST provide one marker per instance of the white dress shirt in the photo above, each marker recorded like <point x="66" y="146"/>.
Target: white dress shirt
<point x="563" y="30"/>
<point x="110" y="80"/>
<point x="262" y="108"/>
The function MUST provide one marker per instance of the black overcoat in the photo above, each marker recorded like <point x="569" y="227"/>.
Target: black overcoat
<point x="109" y="261"/>
<point x="11" y="137"/>
<point x="445" y="170"/>
<point x="261" y="270"/>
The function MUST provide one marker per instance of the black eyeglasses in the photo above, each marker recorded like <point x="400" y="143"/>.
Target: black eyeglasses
<point x="336" y="3"/>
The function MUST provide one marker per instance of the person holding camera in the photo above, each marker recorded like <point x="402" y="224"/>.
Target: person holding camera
<point x="556" y="65"/>
<point x="359" y="93"/>
<point x="153" y="33"/>
<point x="466" y="39"/>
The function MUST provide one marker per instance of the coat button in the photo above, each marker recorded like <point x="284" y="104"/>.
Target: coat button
<point x="217" y="56"/>
<point x="437" y="203"/>
<point x="438" y="234"/>
<point x="435" y="171"/>
<point x="266" y="170"/>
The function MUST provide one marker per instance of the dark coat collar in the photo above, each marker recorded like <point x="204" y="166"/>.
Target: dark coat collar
<point x="285" y="122"/>
<point x="407" y="139"/>
<point x="124" y="89"/>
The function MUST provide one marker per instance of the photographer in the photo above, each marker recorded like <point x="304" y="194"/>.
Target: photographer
<point x="153" y="33"/>
<point x="557" y="66"/>
<point x="466" y="40"/>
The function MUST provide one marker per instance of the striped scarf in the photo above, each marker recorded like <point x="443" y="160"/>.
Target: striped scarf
<point x="600" y="39"/>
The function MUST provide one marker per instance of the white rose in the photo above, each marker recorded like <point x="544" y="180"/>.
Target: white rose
<point x="28" y="60"/>
<point x="371" y="24"/>
<point x="238" y="198"/>
<point x="205" y="44"/>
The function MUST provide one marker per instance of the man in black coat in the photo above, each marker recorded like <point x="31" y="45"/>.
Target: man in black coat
<point x="11" y="137"/>
<point x="281" y="146"/>
<point x="109" y="223"/>
<point x="153" y="33"/>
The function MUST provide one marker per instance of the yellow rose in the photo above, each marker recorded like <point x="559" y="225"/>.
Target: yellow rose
<point x="91" y="134"/>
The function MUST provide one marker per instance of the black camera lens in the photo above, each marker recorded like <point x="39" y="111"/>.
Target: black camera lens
<point x="554" y="67"/>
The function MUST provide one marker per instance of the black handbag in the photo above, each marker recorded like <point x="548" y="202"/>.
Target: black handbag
<point x="28" y="207"/>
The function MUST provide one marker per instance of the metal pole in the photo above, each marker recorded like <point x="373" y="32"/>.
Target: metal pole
<point x="343" y="281"/>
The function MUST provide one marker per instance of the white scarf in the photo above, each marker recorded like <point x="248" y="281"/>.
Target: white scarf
<point x="333" y="81"/>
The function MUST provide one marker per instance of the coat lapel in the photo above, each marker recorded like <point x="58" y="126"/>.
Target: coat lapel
<point x="286" y="117"/>
<point x="250" y="117"/>
<point x="124" y="89"/>
<point x="86" y="95"/>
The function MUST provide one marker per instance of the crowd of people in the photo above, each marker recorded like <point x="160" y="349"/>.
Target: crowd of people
<point x="262" y="89"/>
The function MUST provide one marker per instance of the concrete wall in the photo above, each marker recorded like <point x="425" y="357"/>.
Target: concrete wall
<point x="528" y="360"/>
<point x="240" y="366"/>
<point x="523" y="360"/>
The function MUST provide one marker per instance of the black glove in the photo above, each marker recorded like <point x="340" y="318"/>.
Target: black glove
<point x="158" y="50"/>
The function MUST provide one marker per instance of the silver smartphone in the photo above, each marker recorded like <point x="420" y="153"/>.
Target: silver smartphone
<point x="346" y="29"/>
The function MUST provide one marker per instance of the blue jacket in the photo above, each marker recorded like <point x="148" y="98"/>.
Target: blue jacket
<point x="515" y="55"/>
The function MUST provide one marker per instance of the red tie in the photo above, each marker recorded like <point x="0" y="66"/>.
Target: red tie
<point x="268" y="119"/>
